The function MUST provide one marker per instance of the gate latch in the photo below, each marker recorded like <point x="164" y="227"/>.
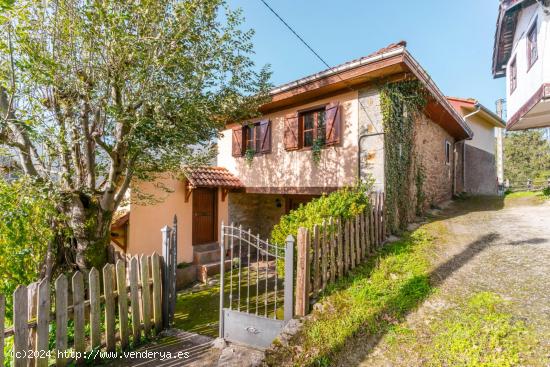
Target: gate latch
<point x="252" y="330"/>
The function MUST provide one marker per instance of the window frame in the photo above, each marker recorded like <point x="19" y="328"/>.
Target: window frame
<point x="255" y="128"/>
<point x="532" y="45"/>
<point x="315" y="130"/>
<point x="513" y="75"/>
<point x="448" y="152"/>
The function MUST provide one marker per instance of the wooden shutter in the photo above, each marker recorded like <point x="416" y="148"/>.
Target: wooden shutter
<point x="333" y="124"/>
<point x="237" y="143"/>
<point x="265" y="136"/>
<point x="291" y="132"/>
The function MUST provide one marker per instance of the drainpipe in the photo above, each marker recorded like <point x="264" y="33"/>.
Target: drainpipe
<point x="463" y="141"/>
<point x="361" y="137"/>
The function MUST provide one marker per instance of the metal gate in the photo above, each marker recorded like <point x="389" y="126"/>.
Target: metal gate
<point x="256" y="287"/>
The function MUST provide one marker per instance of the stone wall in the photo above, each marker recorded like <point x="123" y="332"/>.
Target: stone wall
<point x="257" y="212"/>
<point x="430" y="149"/>
<point x="481" y="172"/>
<point x="372" y="146"/>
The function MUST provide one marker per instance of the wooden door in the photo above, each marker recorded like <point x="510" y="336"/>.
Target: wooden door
<point x="204" y="216"/>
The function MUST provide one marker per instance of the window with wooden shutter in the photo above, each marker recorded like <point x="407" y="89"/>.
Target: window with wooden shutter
<point x="265" y="136"/>
<point x="237" y="141"/>
<point x="291" y="132"/>
<point x="333" y="124"/>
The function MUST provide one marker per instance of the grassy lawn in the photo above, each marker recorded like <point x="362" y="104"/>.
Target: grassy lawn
<point x="543" y="195"/>
<point x="369" y="301"/>
<point x="198" y="311"/>
<point x="371" y="304"/>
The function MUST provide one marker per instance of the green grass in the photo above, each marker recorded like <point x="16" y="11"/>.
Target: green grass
<point x="198" y="311"/>
<point x="369" y="307"/>
<point x="369" y="301"/>
<point x="479" y="331"/>
<point x="522" y="194"/>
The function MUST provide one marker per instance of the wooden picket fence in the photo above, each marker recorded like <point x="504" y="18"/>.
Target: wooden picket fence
<point x="331" y="250"/>
<point x="136" y="289"/>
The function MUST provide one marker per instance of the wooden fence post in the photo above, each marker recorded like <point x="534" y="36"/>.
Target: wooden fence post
<point x="108" y="291"/>
<point x="316" y="266"/>
<point x="61" y="303"/>
<point x="134" y="300"/>
<point x="95" y="308"/>
<point x="146" y="295"/>
<point x="122" y="303"/>
<point x="157" y="291"/>
<point x="340" y="234"/>
<point x="302" y="274"/>
<point x="20" y="328"/>
<point x="324" y="259"/>
<point x="78" y="314"/>
<point x="32" y="292"/>
<point x="359" y="256"/>
<point x="332" y="250"/>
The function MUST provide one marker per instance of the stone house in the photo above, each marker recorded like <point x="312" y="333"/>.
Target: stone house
<point x="317" y="134"/>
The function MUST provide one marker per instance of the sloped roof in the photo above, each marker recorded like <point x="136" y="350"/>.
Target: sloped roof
<point x="470" y="105"/>
<point x="209" y="176"/>
<point x="393" y="60"/>
<point x="120" y="217"/>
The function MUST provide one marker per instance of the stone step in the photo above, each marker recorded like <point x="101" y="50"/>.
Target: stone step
<point x="206" y="247"/>
<point x="206" y="257"/>
<point x="206" y="270"/>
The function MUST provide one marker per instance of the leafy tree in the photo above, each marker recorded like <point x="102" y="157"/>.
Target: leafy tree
<point x="26" y="214"/>
<point x="94" y="94"/>
<point x="527" y="155"/>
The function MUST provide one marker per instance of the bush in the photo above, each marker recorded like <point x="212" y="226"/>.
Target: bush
<point x="26" y="212"/>
<point x="345" y="203"/>
<point x="546" y="192"/>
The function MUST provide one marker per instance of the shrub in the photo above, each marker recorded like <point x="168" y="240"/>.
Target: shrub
<point x="26" y="212"/>
<point x="546" y="192"/>
<point x="345" y="203"/>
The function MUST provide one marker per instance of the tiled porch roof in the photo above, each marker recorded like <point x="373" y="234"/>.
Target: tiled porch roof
<point x="208" y="176"/>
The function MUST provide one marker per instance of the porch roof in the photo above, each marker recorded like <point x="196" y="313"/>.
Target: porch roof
<point x="210" y="176"/>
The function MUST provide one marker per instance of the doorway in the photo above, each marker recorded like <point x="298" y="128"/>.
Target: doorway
<point x="205" y="215"/>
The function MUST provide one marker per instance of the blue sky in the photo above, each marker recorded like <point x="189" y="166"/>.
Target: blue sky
<point x="452" y="40"/>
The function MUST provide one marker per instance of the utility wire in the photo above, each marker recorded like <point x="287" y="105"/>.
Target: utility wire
<point x="321" y="59"/>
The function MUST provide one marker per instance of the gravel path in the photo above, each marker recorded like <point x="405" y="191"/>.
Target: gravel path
<point x="484" y="245"/>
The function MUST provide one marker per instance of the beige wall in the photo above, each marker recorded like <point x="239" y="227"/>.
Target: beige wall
<point x="338" y="165"/>
<point x="484" y="134"/>
<point x="146" y="220"/>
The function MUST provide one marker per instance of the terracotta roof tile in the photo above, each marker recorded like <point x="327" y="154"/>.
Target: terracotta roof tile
<point x="208" y="176"/>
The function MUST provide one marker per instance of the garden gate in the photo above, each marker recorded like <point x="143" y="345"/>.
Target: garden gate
<point x="250" y="305"/>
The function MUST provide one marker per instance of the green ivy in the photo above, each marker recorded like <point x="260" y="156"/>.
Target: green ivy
<point x="401" y="104"/>
<point x="316" y="149"/>
<point x="249" y="155"/>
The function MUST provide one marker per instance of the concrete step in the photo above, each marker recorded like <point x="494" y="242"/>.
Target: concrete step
<point x="206" y="247"/>
<point x="206" y="270"/>
<point x="206" y="257"/>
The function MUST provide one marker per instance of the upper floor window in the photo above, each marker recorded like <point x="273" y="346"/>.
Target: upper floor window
<point x="513" y="75"/>
<point x="532" y="50"/>
<point x="317" y="126"/>
<point x="255" y="137"/>
<point x="312" y="127"/>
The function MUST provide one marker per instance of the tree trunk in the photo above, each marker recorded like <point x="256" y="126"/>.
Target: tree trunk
<point x="90" y="226"/>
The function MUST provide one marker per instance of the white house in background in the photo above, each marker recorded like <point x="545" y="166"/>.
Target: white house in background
<point x="479" y="173"/>
<point x="522" y="55"/>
